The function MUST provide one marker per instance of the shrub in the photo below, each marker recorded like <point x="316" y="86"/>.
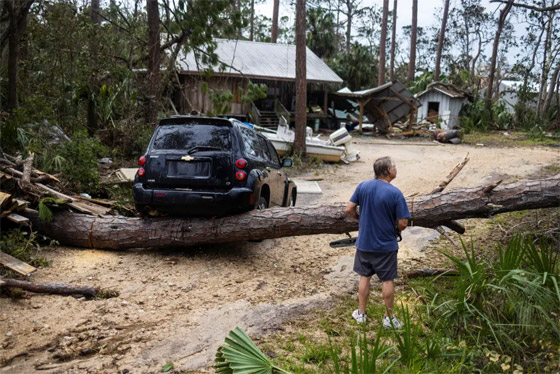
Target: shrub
<point x="81" y="168"/>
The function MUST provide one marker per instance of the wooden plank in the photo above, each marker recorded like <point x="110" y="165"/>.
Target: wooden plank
<point x="15" y="264"/>
<point x="9" y="209"/>
<point x="50" y="176"/>
<point x="4" y="198"/>
<point x="14" y="217"/>
<point x="22" y="204"/>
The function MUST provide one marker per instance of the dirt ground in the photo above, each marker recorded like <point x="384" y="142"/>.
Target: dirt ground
<point x="178" y="305"/>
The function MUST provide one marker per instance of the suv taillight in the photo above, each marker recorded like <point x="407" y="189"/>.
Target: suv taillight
<point x="142" y="161"/>
<point x="141" y="172"/>
<point x="241" y="163"/>
<point x="240" y="175"/>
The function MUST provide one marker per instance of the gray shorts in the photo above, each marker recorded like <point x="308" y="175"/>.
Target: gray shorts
<point x="384" y="264"/>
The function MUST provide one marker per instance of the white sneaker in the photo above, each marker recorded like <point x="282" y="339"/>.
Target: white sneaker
<point x="395" y="325"/>
<point x="360" y="318"/>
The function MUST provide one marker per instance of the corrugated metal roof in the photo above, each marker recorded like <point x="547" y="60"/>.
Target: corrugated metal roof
<point x="261" y="60"/>
<point x="444" y="89"/>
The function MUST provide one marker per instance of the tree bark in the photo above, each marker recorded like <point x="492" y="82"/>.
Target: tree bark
<point x="393" y="42"/>
<point x="301" y="79"/>
<point x="152" y="9"/>
<point x="432" y="210"/>
<point x="413" y="35"/>
<point x="383" y="44"/>
<point x="489" y="92"/>
<point x="274" y="33"/>
<point x="441" y="40"/>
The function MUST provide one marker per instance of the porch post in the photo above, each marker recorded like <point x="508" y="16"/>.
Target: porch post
<point x="325" y="105"/>
<point x="361" y="118"/>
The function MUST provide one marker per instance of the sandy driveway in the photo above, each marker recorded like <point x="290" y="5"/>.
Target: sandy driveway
<point x="178" y="305"/>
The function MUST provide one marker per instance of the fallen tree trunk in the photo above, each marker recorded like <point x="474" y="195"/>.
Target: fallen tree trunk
<point x="433" y="210"/>
<point x="50" y="288"/>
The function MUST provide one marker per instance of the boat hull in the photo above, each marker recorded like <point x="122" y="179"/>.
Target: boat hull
<point x="324" y="153"/>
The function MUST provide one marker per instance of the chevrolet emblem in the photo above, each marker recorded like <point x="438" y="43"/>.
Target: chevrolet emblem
<point x="187" y="158"/>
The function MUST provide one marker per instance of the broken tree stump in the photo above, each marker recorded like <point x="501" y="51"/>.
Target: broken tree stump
<point x="433" y="210"/>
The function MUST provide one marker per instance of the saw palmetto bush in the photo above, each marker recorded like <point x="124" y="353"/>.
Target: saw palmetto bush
<point x="505" y="304"/>
<point x="239" y="355"/>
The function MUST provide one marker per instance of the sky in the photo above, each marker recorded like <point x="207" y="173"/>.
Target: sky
<point x="426" y="13"/>
<point x="426" y="9"/>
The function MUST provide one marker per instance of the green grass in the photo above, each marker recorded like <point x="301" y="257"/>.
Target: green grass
<point x="514" y="139"/>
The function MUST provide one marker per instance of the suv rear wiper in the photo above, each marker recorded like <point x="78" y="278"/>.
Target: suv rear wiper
<point x="201" y="148"/>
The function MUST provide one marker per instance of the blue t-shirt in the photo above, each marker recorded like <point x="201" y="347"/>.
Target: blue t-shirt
<point x="381" y="205"/>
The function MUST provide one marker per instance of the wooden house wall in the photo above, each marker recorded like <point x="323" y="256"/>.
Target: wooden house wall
<point x="194" y="98"/>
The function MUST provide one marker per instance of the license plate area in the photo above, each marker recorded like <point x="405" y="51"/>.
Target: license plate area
<point x="190" y="169"/>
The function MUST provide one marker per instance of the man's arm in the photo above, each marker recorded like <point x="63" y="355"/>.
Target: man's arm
<point x="402" y="223"/>
<point x="352" y="210"/>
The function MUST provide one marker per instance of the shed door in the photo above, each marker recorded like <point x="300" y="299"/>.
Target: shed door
<point x="433" y="111"/>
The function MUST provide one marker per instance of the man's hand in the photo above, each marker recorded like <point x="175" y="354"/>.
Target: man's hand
<point x="352" y="210"/>
<point x="402" y="223"/>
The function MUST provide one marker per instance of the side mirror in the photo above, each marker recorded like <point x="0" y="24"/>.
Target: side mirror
<point x="287" y="163"/>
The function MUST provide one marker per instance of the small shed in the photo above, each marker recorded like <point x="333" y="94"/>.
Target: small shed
<point x="441" y="102"/>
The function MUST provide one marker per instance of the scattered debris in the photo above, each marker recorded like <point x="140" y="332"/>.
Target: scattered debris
<point x="19" y="178"/>
<point x="446" y="136"/>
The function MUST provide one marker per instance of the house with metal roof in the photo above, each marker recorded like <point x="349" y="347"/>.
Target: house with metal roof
<point x="441" y="103"/>
<point x="242" y="62"/>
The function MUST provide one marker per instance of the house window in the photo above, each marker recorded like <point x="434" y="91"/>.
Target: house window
<point x="433" y="111"/>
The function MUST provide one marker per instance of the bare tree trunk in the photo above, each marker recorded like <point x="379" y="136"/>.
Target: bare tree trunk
<point x="349" y="25"/>
<point x="252" y="26"/>
<point x="503" y="15"/>
<point x="441" y="40"/>
<point x="545" y="65"/>
<point x="274" y="33"/>
<point x="432" y="210"/>
<point x="93" y="84"/>
<point x="301" y="78"/>
<point x="551" y="91"/>
<point x="13" y="52"/>
<point x="153" y="62"/>
<point x="393" y="42"/>
<point x="475" y="58"/>
<point x="383" y="44"/>
<point x="413" y="35"/>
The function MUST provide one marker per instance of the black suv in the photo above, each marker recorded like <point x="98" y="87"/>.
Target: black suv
<point x="210" y="167"/>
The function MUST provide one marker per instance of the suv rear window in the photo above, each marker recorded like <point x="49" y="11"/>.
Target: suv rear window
<point x="192" y="135"/>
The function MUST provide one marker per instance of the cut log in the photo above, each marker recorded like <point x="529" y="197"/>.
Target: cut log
<point x="51" y="288"/>
<point x="115" y="232"/>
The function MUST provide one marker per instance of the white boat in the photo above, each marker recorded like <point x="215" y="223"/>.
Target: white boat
<point x="329" y="151"/>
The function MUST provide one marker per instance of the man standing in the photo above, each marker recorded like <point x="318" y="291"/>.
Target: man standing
<point x="383" y="214"/>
